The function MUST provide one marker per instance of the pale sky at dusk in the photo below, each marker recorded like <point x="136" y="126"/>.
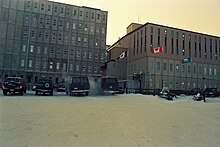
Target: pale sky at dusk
<point x="194" y="15"/>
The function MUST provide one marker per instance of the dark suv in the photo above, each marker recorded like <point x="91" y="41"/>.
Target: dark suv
<point x="109" y="85"/>
<point x="14" y="85"/>
<point x="78" y="85"/>
<point x="44" y="86"/>
<point x="194" y="91"/>
<point x="210" y="92"/>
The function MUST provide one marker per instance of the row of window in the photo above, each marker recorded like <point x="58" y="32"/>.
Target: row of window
<point x="177" y="68"/>
<point x="58" y="51"/>
<point x="64" y="38"/>
<point x="186" y="68"/>
<point x="193" y="45"/>
<point x="56" y="66"/>
<point x="59" y="23"/>
<point x="62" y="10"/>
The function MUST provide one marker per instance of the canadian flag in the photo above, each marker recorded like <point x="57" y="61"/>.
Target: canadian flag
<point x="157" y="50"/>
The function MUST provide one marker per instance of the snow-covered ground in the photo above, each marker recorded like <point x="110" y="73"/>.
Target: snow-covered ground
<point x="127" y="120"/>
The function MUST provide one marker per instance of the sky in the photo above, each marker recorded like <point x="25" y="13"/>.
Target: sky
<point x="194" y="15"/>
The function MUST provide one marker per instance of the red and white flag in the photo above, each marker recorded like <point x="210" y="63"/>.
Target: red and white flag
<point x="157" y="50"/>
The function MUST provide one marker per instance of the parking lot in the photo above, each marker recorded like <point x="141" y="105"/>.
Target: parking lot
<point x="120" y="120"/>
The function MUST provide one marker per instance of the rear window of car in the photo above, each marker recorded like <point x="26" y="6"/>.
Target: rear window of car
<point x="77" y="80"/>
<point x="41" y="81"/>
<point x="13" y="79"/>
<point x="110" y="80"/>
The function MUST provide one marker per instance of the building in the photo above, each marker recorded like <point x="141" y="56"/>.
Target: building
<point x="55" y="40"/>
<point x="165" y="68"/>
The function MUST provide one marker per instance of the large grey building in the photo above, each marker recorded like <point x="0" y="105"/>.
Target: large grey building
<point x="46" y="38"/>
<point x="166" y="68"/>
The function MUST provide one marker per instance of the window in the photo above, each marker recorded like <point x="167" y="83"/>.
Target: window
<point x="64" y="66"/>
<point x="102" y="56"/>
<point x="80" y="13"/>
<point x="42" y="7"/>
<point x="22" y="63"/>
<point x="89" y="68"/>
<point x="45" y="50"/>
<point x="74" y="26"/>
<point x="37" y="64"/>
<point x="32" y="49"/>
<point x="93" y="15"/>
<point x="183" y="68"/>
<point x="85" y="40"/>
<point x="96" y="55"/>
<point x="188" y="68"/>
<point x="210" y="71"/>
<point x="90" y="55"/>
<point x="35" y="5"/>
<point x="84" y="68"/>
<point x="51" y="65"/>
<point x="92" y="28"/>
<point x="55" y="8"/>
<point x="86" y="27"/>
<point x="177" y="67"/>
<point x="84" y="54"/>
<point x="24" y="48"/>
<point x="78" y="53"/>
<point x="58" y="66"/>
<point x="44" y="65"/>
<point x="158" y="66"/>
<point x="49" y="8"/>
<point x="61" y="10"/>
<point x="67" y="25"/>
<point x="80" y="26"/>
<point x="171" y="67"/>
<point x="54" y="22"/>
<point x="77" y="67"/>
<point x="38" y="50"/>
<point x="28" y="3"/>
<point x="71" y="67"/>
<point x="98" y="17"/>
<point x="215" y="72"/>
<point x="79" y="39"/>
<point x="205" y="71"/>
<point x="30" y="63"/>
<point x="164" y="66"/>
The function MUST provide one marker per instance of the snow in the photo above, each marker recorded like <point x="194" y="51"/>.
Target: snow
<point x="125" y="120"/>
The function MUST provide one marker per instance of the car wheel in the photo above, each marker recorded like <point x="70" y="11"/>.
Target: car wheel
<point x="51" y="93"/>
<point x="5" y="92"/>
<point x="36" y="92"/>
<point x="21" y="93"/>
<point x="87" y="93"/>
<point x="46" y="85"/>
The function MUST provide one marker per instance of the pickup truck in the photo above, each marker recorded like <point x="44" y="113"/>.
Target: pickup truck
<point x="14" y="85"/>
<point x="44" y="86"/>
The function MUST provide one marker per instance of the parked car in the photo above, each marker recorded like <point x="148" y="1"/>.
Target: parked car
<point x="109" y="85"/>
<point x="60" y="87"/>
<point x="194" y="91"/>
<point x="78" y="85"/>
<point x="165" y="93"/>
<point x="199" y="97"/>
<point x="210" y="92"/>
<point x="44" y="86"/>
<point x="14" y="85"/>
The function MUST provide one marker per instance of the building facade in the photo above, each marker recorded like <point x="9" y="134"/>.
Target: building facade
<point x="165" y="69"/>
<point x="55" y="40"/>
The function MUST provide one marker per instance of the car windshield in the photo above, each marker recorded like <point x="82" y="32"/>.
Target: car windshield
<point x="13" y="79"/>
<point x="41" y="81"/>
<point x="79" y="80"/>
<point x="110" y="80"/>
